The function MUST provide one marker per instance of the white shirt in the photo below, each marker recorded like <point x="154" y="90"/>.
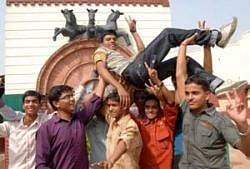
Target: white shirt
<point x="22" y="140"/>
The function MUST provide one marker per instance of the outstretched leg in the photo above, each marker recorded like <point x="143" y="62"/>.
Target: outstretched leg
<point x="169" y="38"/>
<point x="155" y="52"/>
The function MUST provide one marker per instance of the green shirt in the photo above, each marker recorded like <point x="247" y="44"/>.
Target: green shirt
<point x="205" y="137"/>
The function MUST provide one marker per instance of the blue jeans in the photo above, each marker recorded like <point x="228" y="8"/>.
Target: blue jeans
<point x="156" y="51"/>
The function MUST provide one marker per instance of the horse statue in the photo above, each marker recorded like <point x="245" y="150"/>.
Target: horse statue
<point x="72" y="29"/>
<point x="111" y="24"/>
<point x="91" y="28"/>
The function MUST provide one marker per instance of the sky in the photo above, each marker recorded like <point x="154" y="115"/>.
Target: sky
<point x="185" y="14"/>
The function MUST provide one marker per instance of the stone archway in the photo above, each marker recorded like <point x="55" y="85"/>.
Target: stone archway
<point x="69" y="64"/>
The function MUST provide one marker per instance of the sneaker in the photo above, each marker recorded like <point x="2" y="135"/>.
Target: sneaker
<point x="240" y="86"/>
<point x="227" y="31"/>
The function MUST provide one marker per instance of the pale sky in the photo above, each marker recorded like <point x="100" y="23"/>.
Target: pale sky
<point x="186" y="13"/>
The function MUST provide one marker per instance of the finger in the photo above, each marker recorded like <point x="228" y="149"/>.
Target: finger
<point x="152" y="64"/>
<point x="191" y="38"/>
<point x="121" y="101"/>
<point x="203" y="24"/>
<point x="199" y="24"/>
<point x="151" y="83"/>
<point x="126" y="19"/>
<point x="146" y="65"/>
<point x="130" y="18"/>
<point x="229" y="98"/>
<point x="128" y="102"/>
<point x="147" y="85"/>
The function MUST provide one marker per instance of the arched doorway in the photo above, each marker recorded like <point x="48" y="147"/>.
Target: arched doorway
<point x="69" y="64"/>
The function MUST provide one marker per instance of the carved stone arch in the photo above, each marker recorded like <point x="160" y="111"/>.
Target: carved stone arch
<point x="69" y="64"/>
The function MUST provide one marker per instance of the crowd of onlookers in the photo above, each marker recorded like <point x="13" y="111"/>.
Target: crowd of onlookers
<point x="137" y="122"/>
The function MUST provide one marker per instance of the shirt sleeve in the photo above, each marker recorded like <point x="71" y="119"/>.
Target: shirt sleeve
<point x="100" y="55"/>
<point x="130" y="135"/>
<point x="94" y="105"/>
<point x="170" y="112"/>
<point x="8" y="113"/>
<point x="230" y="132"/>
<point x="184" y="107"/>
<point x="43" y="147"/>
<point x="4" y="129"/>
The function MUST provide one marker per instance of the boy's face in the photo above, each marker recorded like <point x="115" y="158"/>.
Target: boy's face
<point x="196" y="97"/>
<point x="151" y="109"/>
<point x="66" y="102"/>
<point x="109" y="41"/>
<point x="114" y="109"/>
<point x="31" y="105"/>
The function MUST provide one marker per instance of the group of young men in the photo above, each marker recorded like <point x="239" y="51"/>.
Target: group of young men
<point x="134" y="140"/>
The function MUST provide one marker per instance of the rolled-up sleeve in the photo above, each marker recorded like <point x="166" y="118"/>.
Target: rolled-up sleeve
<point x="93" y="106"/>
<point x="130" y="135"/>
<point x="100" y="55"/>
<point x="230" y="132"/>
<point x="8" y="113"/>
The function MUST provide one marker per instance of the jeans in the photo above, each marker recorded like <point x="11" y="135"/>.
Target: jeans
<point x="155" y="52"/>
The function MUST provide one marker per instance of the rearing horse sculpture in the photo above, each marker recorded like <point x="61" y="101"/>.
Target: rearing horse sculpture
<point x="72" y="29"/>
<point x="91" y="28"/>
<point x="112" y="25"/>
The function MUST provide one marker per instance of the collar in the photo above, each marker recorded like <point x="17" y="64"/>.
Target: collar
<point x="123" y="120"/>
<point x="37" y="121"/>
<point x="57" y="119"/>
<point x="210" y="110"/>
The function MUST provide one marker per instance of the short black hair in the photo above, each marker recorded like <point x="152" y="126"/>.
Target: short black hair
<point x="152" y="97"/>
<point x="107" y="32"/>
<point x="55" y="93"/>
<point x="113" y="96"/>
<point x="199" y="80"/>
<point x="32" y="93"/>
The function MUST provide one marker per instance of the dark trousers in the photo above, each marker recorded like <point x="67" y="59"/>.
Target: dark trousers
<point x="155" y="52"/>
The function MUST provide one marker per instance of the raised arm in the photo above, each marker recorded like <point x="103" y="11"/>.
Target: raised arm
<point x="92" y="102"/>
<point x="132" y="27"/>
<point x="207" y="61"/>
<point x="181" y="68"/>
<point x="8" y="113"/>
<point x="157" y="85"/>
<point x="107" y="77"/>
<point x="237" y="111"/>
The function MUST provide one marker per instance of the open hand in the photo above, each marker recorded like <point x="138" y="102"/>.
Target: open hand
<point x="124" y="97"/>
<point x="190" y="40"/>
<point x="203" y="26"/>
<point x="236" y="109"/>
<point x="152" y="73"/>
<point x="131" y="23"/>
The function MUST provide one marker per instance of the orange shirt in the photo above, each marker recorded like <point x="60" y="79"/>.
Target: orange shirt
<point x="157" y="137"/>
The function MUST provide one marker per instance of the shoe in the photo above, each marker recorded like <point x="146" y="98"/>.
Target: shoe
<point x="240" y="86"/>
<point x="214" y="81"/>
<point x="227" y="31"/>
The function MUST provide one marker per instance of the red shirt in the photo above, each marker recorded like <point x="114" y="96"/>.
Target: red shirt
<point x="157" y="137"/>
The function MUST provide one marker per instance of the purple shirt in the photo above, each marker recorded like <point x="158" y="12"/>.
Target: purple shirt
<point x="61" y="144"/>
